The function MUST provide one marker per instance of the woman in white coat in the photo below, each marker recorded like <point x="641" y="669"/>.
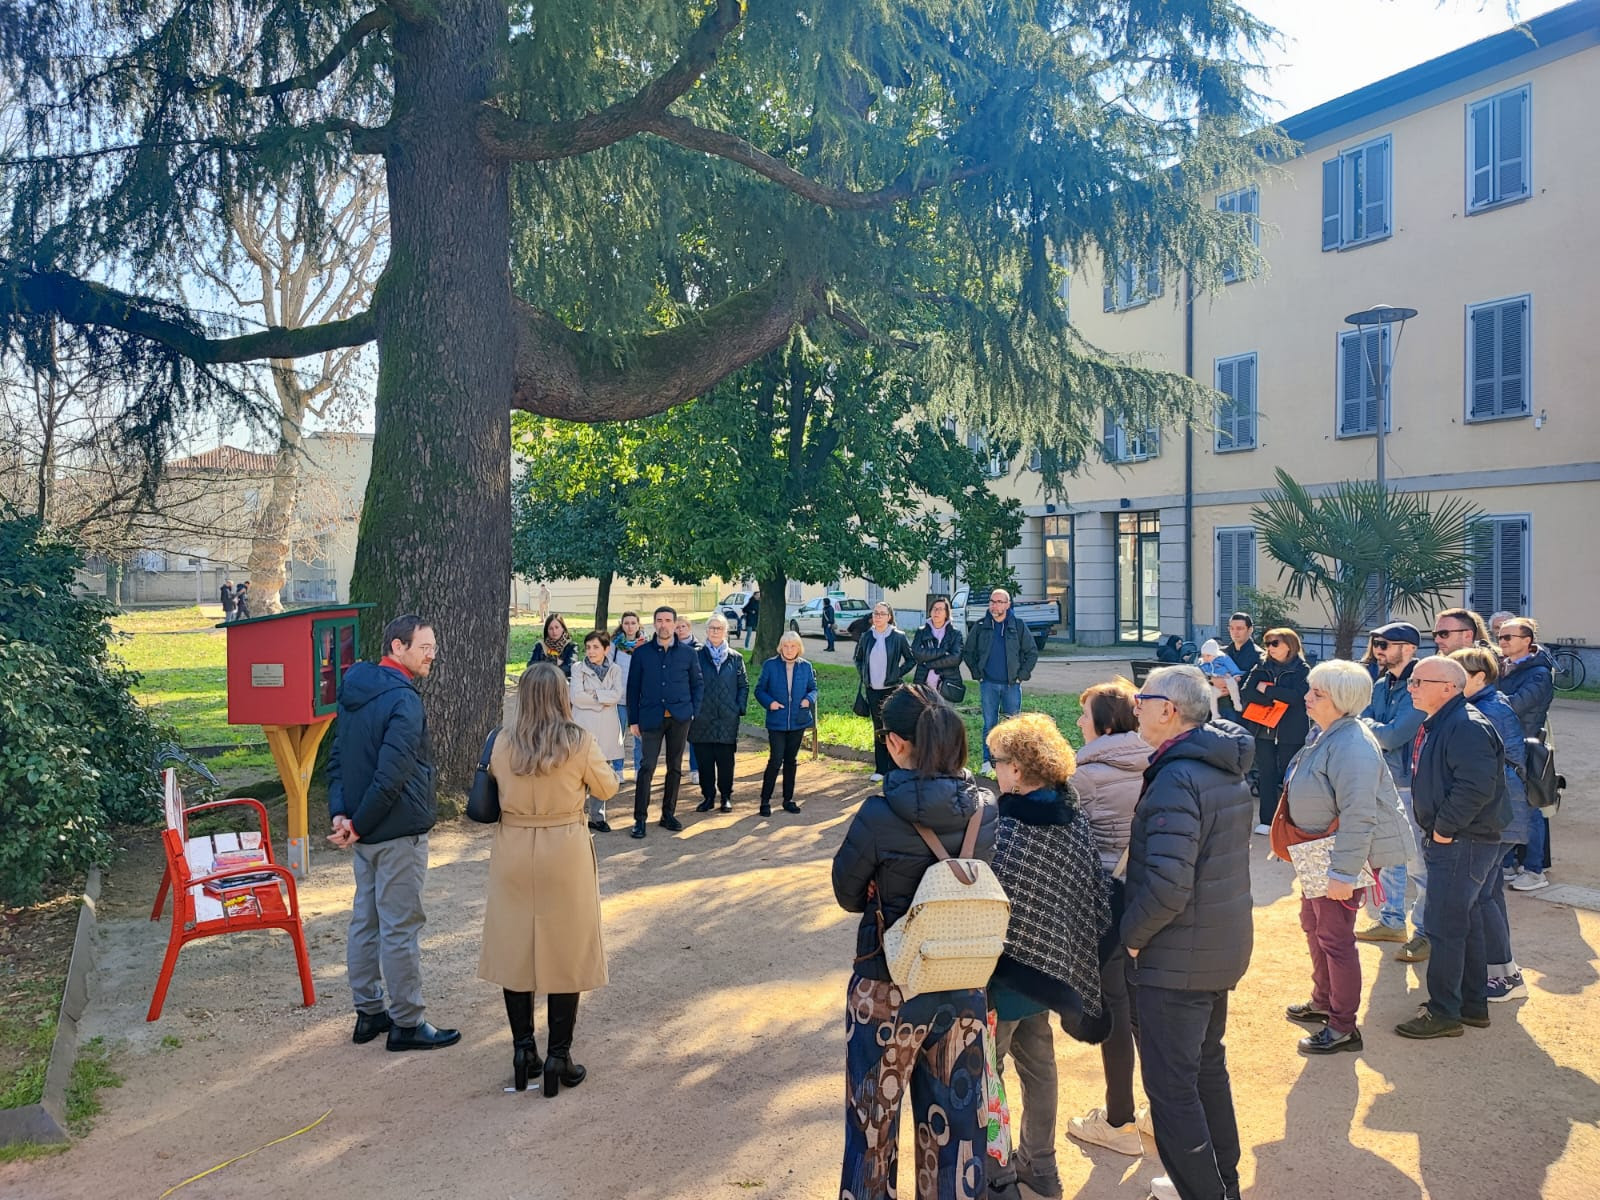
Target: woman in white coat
<point x="597" y="689"/>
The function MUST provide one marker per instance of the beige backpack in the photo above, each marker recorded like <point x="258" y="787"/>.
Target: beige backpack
<point x="952" y="936"/>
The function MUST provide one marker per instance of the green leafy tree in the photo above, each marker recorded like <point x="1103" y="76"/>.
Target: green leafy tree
<point x="576" y="494"/>
<point x="812" y="465"/>
<point x="598" y="211"/>
<point x="1356" y="545"/>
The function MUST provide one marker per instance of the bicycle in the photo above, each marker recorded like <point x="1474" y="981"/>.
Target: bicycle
<point x="1569" y="671"/>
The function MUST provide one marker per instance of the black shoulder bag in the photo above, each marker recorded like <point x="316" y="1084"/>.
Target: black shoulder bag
<point x="483" y="801"/>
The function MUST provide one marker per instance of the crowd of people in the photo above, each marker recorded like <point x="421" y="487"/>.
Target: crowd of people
<point x="1126" y="862"/>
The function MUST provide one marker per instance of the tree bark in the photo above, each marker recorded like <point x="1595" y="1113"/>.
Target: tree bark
<point x="269" y="544"/>
<point x="435" y="534"/>
<point x="602" y="600"/>
<point x="770" y="625"/>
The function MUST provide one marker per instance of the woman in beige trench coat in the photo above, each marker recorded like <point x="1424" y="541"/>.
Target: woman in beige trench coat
<point x="541" y="926"/>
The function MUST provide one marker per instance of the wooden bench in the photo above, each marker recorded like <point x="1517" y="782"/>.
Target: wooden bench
<point x="197" y="913"/>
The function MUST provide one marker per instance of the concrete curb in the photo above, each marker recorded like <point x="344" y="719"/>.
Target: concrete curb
<point x="46" y="1121"/>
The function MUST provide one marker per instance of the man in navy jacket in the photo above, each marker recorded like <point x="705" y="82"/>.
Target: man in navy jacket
<point x="664" y="688"/>
<point x="382" y="803"/>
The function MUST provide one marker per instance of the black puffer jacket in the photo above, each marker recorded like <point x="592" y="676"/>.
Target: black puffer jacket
<point x="937" y="654"/>
<point x="380" y="769"/>
<point x="882" y="847"/>
<point x="722" y="703"/>
<point x="1286" y="681"/>
<point x="1529" y="687"/>
<point x="1188" y="907"/>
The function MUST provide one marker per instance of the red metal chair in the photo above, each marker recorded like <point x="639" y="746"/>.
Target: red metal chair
<point x="193" y="909"/>
<point x="178" y="820"/>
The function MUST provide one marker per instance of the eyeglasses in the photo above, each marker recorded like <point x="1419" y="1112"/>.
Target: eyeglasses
<point x="1413" y="683"/>
<point x="1378" y="644"/>
<point x="1514" y="637"/>
<point x="1444" y="633"/>
<point x="1000" y="762"/>
<point x="1141" y="697"/>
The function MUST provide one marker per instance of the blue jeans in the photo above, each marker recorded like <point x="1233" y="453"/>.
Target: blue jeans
<point x="1497" y="930"/>
<point x="1185" y="1070"/>
<point x="997" y="697"/>
<point x="749" y="632"/>
<point x="1394" y="879"/>
<point x="1462" y="877"/>
<point x="638" y="747"/>
<point x="827" y="632"/>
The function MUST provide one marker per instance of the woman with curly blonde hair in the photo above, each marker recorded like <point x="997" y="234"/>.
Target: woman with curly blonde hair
<point x="1047" y="860"/>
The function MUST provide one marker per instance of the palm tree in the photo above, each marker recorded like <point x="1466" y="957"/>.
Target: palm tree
<point x="1358" y="547"/>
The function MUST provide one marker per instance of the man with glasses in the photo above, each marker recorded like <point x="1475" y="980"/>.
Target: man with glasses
<point x="1457" y="628"/>
<point x="1459" y="792"/>
<point x="1188" y="927"/>
<point x="1000" y="654"/>
<point x="1394" y="721"/>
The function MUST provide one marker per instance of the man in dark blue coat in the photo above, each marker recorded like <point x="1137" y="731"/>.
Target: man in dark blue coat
<point x="382" y="803"/>
<point x="664" y="689"/>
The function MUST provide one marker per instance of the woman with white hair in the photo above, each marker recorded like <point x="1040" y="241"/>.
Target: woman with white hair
<point x="787" y="693"/>
<point x="1339" y="784"/>
<point x="715" y="731"/>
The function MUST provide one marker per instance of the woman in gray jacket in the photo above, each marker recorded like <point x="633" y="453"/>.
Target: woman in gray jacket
<point x="1341" y="778"/>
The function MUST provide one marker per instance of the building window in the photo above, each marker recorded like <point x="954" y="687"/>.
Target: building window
<point x="793" y="592"/>
<point x="1236" y="414"/>
<point x="1236" y="568"/>
<point x="1035" y="460"/>
<point x="1502" y="552"/>
<point x="1247" y="202"/>
<point x="1499" y="133"/>
<point x="1358" y="382"/>
<point x="1498" y="344"/>
<point x="1356" y="195"/>
<point x="994" y="464"/>
<point x="1129" y="444"/>
<point x="1131" y="284"/>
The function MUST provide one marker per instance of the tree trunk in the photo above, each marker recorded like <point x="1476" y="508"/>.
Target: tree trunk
<point x="269" y="542"/>
<point x="435" y="534"/>
<point x="770" y="625"/>
<point x="602" y="600"/>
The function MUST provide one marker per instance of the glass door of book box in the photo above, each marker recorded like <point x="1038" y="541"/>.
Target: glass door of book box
<point x="334" y="643"/>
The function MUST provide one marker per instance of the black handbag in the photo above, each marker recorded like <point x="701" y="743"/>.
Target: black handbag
<point x="861" y="708"/>
<point x="483" y="800"/>
<point x="952" y="688"/>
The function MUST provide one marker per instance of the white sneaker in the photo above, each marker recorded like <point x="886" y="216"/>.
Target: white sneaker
<point x="1263" y="829"/>
<point x="1161" y="1188"/>
<point x="1529" y="881"/>
<point x="1510" y="873"/>
<point x="875" y="778"/>
<point x="1098" y="1131"/>
<point x="1143" y="1123"/>
<point x="694" y="776"/>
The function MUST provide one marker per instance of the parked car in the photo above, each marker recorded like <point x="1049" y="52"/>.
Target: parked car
<point x="1040" y="616"/>
<point x="731" y="606"/>
<point x="806" y="619"/>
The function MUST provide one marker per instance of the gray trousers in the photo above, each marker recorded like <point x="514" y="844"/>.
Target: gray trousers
<point x="1032" y="1050"/>
<point x="386" y="927"/>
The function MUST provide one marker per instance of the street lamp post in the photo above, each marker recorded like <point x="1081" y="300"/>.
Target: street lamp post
<point x="1381" y="315"/>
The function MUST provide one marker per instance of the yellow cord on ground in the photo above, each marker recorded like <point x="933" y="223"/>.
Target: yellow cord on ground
<point x="245" y="1155"/>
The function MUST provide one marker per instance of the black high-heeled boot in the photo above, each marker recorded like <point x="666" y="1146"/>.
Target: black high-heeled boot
<point x="559" y="1069"/>
<point x="525" y="1051"/>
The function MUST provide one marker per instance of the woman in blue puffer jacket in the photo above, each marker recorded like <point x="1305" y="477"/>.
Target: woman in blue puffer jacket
<point x="787" y="694"/>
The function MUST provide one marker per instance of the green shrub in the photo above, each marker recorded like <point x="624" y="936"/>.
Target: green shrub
<point x="76" y="752"/>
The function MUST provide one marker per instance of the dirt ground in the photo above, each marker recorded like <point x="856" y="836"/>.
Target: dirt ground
<point x="715" y="1055"/>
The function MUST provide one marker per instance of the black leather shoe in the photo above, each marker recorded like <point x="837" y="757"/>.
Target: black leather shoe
<point x="562" y="1072"/>
<point x="599" y="827"/>
<point x="1308" y="1013"/>
<point x="705" y="806"/>
<point x="1326" y="1041"/>
<point x="727" y="804"/>
<point x="672" y="823"/>
<point x="638" y="829"/>
<point x="422" y="1037"/>
<point x="369" y="1026"/>
<point x="1476" y="1020"/>
<point x="789" y="806"/>
<point x="766" y="808"/>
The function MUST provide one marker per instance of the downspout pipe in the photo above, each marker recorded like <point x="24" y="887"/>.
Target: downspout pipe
<point x="1188" y="462"/>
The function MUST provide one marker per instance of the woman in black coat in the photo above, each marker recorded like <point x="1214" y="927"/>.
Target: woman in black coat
<point x="714" y="732"/>
<point x="882" y="658"/>
<point x="937" y="647"/>
<point x="555" y="647"/>
<point x="1281" y="675"/>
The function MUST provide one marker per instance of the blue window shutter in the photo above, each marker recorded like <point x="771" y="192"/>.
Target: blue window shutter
<point x="1331" y="193"/>
<point x="1482" y="595"/>
<point x="1483" y="329"/>
<point x="1376" y="192"/>
<point x="1352" y="371"/>
<point x="1244" y="403"/>
<point x="1108" y="294"/>
<point x="1480" y="153"/>
<point x="1225" y="410"/>
<point x="1513" y="358"/>
<point x="1511" y="145"/>
<point x="1152" y="279"/>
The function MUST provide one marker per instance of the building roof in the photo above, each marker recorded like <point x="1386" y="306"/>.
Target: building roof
<point x="1529" y="37"/>
<point x="229" y="459"/>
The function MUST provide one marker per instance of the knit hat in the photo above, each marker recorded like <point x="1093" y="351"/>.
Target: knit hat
<point x="1212" y="646"/>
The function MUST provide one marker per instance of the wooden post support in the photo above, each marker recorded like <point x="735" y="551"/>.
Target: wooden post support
<point x="294" y="749"/>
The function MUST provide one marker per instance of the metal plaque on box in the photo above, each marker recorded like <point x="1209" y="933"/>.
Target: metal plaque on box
<point x="266" y="675"/>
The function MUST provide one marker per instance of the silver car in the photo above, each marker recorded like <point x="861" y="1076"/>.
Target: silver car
<point x="807" y="619"/>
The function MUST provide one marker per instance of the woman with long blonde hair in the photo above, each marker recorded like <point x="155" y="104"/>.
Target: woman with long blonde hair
<point x="541" y="926"/>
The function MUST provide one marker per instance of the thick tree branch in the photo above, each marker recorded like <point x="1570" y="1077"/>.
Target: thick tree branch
<point x="730" y="146"/>
<point x="574" y="376"/>
<point x="525" y="141"/>
<point x="79" y="302"/>
<point x="378" y="19"/>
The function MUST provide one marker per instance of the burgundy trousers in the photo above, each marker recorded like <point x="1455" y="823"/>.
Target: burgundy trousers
<point x="1330" y="927"/>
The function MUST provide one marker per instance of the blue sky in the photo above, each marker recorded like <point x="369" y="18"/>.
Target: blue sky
<point x="1335" y="46"/>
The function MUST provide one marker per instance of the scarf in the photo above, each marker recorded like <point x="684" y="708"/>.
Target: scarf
<point x="557" y="648"/>
<point x="719" y="654"/>
<point x="624" y="643"/>
<point x="1045" y="858"/>
<point x="600" y="668"/>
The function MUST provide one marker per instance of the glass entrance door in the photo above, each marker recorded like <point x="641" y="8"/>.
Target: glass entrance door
<point x="1058" y="567"/>
<point x="1139" y="577"/>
